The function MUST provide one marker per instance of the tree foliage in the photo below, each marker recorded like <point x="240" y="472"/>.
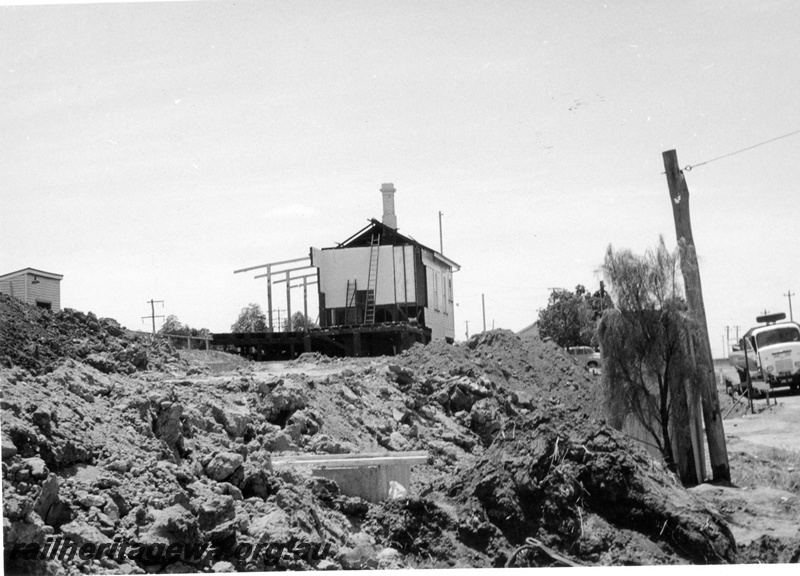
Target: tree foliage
<point x="251" y="319"/>
<point x="174" y="326"/>
<point x="300" y="322"/>
<point x="570" y="317"/>
<point x="646" y="348"/>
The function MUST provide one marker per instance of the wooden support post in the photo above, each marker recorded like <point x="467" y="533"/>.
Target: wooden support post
<point x="269" y="297"/>
<point x="715" y="433"/>
<point x="305" y="304"/>
<point x="694" y="404"/>
<point x="356" y="343"/>
<point x="288" y="304"/>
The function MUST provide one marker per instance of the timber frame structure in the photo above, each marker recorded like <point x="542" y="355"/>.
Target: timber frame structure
<point x="379" y="293"/>
<point x="362" y="340"/>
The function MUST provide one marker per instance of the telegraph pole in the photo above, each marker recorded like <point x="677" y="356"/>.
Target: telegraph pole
<point x="153" y="313"/>
<point x="483" y="306"/>
<point x="715" y="433"/>
<point x="789" y="295"/>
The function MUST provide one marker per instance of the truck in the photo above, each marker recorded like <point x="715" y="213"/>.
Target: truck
<point x="769" y="354"/>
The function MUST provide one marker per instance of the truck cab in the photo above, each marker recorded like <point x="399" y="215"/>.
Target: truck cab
<point x="770" y="353"/>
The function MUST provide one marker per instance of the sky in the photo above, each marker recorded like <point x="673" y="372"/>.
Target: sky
<point x="148" y="150"/>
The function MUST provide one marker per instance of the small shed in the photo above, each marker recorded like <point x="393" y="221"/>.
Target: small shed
<point x="34" y="287"/>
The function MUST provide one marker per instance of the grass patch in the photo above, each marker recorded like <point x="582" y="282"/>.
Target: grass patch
<point x="766" y="466"/>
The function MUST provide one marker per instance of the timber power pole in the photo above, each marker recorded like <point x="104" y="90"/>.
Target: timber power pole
<point x="153" y="313"/>
<point x="789" y="295"/>
<point x="715" y="433"/>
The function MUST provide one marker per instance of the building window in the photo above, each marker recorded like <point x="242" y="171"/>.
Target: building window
<point x="436" y="291"/>
<point x="45" y="305"/>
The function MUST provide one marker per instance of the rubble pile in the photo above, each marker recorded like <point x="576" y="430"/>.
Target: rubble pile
<point x="38" y="340"/>
<point x="151" y="448"/>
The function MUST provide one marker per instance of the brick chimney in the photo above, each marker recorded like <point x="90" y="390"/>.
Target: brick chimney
<point x="389" y="217"/>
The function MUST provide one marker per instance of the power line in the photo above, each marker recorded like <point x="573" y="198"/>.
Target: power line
<point x="689" y="167"/>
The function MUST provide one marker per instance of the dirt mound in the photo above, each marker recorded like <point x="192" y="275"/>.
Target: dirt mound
<point x="181" y="455"/>
<point x="771" y="550"/>
<point x="38" y="340"/>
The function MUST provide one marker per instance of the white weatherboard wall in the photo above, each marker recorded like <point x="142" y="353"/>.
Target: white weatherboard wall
<point x="395" y="274"/>
<point x="47" y="289"/>
<point x="439" y="311"/>
<point x="14" y="287"/>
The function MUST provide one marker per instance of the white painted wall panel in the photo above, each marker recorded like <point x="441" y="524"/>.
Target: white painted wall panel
<point x="439" y="314"/>
<point x="336" y="267"/>
<point x="14" y="287"/>
<point x="47" y="290"/>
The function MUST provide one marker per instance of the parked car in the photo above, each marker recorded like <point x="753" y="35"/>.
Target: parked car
<point x="586" y="356"/>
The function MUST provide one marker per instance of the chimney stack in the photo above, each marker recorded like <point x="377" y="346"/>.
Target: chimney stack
<point x="389" y="217"/>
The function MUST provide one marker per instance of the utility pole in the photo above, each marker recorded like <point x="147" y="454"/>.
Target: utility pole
<point x="153" y="313"/>
<point x="467" y="321"/>
<point x="441" y="245"/>
<point x="715" y="433"/>
<point x="789" y="295"/>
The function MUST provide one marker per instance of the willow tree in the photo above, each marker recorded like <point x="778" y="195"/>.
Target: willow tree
<point x="647" y="355"/>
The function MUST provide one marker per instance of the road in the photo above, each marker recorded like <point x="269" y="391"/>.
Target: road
<point x="776" y="426"/>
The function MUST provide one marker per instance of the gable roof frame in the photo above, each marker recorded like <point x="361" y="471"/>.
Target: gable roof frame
<point x="366" y="233"/>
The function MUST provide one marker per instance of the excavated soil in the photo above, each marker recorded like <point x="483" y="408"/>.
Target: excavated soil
<point x="108" y="437"/>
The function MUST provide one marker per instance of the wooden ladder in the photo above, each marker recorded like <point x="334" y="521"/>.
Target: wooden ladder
<point x="372" y="279"/>
<point x="350" y="302"/>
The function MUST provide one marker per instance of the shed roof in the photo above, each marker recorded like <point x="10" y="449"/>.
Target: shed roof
<point x="32" y="271"/>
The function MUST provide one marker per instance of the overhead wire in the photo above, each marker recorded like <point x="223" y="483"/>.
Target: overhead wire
<point x="689" y="167"/>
